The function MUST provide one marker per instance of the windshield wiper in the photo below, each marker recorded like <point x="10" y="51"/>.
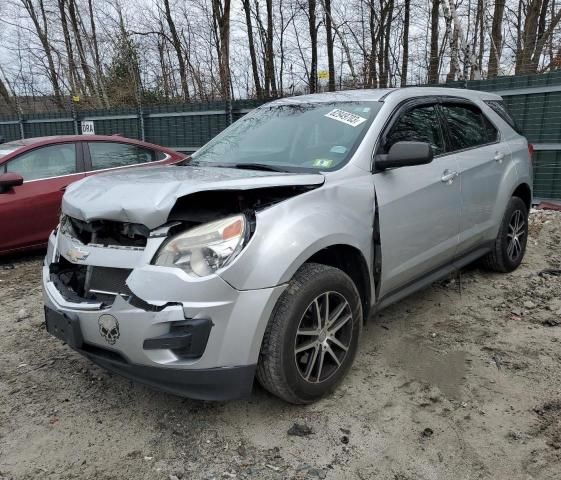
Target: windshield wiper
<point x="245" y="166"/>
<point x="257" y="166"/>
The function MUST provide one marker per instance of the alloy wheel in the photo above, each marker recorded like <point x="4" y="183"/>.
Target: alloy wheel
<point x="516" y="230"/>
<point x="323" y="337"/>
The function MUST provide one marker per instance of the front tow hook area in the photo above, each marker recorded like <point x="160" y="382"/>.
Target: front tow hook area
<point x="186" y="339"/>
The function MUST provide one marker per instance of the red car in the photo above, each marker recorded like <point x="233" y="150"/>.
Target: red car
<point x="35" y="172"/>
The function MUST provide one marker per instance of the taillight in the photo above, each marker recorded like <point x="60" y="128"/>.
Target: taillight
<point x="531" y="153"/>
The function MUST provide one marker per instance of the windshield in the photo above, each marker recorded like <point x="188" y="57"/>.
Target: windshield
<point x="307" y="136"/>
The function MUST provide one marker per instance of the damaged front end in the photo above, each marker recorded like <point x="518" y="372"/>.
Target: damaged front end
<point x="145" y="298"/>
<point x="81" y="275"/>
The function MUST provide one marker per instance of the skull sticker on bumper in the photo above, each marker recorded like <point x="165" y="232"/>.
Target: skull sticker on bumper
<point x="109" y="328"/>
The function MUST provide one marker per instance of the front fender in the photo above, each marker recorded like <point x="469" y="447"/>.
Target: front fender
<point x="289" y="233"/>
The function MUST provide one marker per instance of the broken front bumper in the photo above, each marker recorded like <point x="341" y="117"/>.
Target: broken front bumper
<point x="194" y="337"/>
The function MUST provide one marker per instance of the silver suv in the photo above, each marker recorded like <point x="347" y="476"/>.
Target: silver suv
<point x="264" y="254"/>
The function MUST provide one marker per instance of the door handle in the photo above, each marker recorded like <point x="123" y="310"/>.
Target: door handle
<point x="448" y="176"/>
<point x="499" y="156"/>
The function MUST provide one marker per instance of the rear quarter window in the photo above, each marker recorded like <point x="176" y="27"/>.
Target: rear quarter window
<point x="105" y="155"/>
<point x="499" y="107"/>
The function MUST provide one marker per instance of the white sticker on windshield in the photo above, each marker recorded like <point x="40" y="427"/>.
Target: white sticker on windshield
<point x="346" y="117"/>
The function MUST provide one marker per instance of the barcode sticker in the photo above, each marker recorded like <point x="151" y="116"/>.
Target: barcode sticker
<point x="346" y="117"/>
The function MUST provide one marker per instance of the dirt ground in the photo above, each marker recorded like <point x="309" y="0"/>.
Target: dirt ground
<point x="453" y="383"/>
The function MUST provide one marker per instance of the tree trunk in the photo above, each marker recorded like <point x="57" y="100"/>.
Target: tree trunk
<point x="382" y="75"/>
<point x="372" y="71"/>
<point x="496" y="39"/>
<point x="434" y="63"/>
<point x="314" y="44"/>
<point x="252" y="54"/>
<point x="329" y="40"/>
<point x="405" y="59"/>
<point x="73" y="79"/>
<point x="221" y="14"/>
<point x="389" y="20"/>
<point x="270" y="65"/>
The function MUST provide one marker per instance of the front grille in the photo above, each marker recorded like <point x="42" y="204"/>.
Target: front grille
<point x="78" y="283"/>
<point x="106" y="232"/>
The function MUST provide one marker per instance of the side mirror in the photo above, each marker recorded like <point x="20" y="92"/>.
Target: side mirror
<point x="405" y="154"/>
<point x="10" y="180"/>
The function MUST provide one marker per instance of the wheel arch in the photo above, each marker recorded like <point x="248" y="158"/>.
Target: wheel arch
<point x="350" y="260"/>
<point x="524" y="192"/>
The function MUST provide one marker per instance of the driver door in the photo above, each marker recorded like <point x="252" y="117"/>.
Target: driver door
<point x="418" y="206"/>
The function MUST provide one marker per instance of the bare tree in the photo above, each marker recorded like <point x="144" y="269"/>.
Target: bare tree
<point x="329" y="42"/>
<point x="433" y="69"/>
<point x="221" y="22"/>
<point x="496" y="38"/>
<point x="535" y="34"/>
<point x="313" y="29"/>
<point x="405" y="43"/>
<point x="176" y="42"/>
<point x="38" y="16"/>
<point x="252" y="54"/>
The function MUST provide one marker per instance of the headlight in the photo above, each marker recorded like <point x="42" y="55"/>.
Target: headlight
<point x="203" y="250"/>
<point x="65" y="225"/>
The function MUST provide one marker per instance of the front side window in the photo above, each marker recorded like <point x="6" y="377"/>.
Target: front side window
<point x="420" y="124"/>
<point x="45" y="162"/>
<point x="111" y="155"/>
<point x="292" y="137"/>
<point x="468" y="127"/>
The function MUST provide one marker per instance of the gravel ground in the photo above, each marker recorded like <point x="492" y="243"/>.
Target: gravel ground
<point x="460" y="381"/>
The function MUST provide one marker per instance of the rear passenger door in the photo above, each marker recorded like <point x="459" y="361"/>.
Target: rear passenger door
<point x="418" y="206"/>
<point x="482" y="157"/>
<point x="101" y="156"/>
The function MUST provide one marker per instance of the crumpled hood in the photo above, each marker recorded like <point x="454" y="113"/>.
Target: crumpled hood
<point x="147" y="195"/>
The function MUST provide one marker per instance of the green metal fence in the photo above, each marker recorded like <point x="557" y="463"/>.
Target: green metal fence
<point x="533" y="100"/>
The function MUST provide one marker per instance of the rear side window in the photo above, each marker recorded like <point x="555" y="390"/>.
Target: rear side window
<point x="420" y="124"/>
<point x="111" y="155"/>
<point x="499" y="108"/>
<point x="468" y="127"/>
<point x="45" y="162"/>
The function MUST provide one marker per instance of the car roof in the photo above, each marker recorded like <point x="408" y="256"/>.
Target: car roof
<point x="374" y="95"/>
<point x="73" y="138"/>
<point x="25" y="144"/>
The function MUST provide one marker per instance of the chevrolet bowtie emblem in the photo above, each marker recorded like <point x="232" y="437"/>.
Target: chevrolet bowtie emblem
<point x="76" y="254"/>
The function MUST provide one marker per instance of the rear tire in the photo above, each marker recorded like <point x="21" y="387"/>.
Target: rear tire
<point x="312" y="336"/>
<point x="510" y="244"/>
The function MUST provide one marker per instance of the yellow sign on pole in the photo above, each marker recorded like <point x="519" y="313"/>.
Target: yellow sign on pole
<point x="323" y="75"/>
<point x="75" y="98"/>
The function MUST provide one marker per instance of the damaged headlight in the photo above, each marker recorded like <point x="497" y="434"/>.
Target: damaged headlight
<point x="65" y="225"/>
<point x="203" y="250"/>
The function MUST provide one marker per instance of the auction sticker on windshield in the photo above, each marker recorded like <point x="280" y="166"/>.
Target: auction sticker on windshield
<point x="346" y="117"/>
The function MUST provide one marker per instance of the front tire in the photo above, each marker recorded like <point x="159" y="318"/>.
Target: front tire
<point x="510" y="244"/>
<point x="312" y="336"/>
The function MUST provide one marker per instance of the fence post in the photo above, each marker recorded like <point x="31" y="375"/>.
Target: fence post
<point x="21" y="128"/>
<point x="141" y="121"/>
<point x="229" y="112"/>
<point x="74" y="117"/>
